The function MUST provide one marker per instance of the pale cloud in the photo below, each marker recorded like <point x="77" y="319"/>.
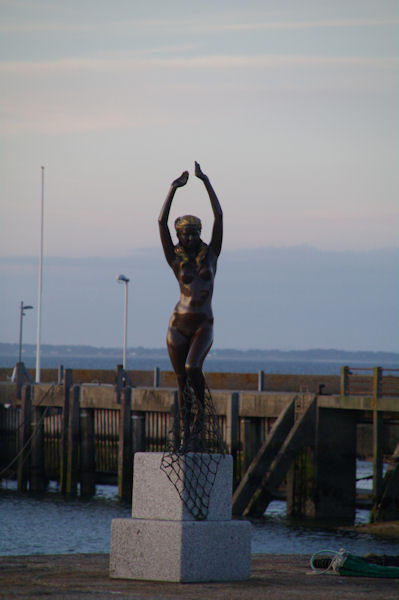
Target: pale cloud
<point x="41" y="27"/>
<point x="123" y="91"/>
<point x="282" y="25"/>
<point x="122" y="63"/>
<point x="61" y="119"/>
<point x="93" y="25"/>
<point x="200" y="25"/>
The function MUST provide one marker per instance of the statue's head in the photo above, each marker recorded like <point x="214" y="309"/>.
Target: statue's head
<point x="188" y="230"/>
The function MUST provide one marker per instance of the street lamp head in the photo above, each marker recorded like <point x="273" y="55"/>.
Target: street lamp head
<point x="21" y="316"/>
<point x="122" y="279"/>
<point x="24" y="307"/>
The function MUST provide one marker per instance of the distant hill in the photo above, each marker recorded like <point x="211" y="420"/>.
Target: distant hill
<point x="314" y="354"/>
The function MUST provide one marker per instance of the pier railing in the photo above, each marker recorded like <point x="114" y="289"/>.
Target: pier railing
<point x="364" y="381"/>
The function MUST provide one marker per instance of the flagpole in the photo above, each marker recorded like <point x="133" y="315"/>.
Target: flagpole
<point x="40" y="287"/>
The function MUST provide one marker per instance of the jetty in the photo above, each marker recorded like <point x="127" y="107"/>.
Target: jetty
<point x="300" y="434"/>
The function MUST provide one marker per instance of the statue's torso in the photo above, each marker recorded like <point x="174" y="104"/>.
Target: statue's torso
<point x="196" y="290"/>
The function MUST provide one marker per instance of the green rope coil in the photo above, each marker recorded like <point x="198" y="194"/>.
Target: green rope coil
<point x="344" y="563"/>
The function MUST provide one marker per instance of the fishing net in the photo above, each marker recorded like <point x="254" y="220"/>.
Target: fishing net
<point x="193" y="452"/>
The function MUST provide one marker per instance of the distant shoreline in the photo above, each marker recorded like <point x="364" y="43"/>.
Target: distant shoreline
<point x="331" y="354"/>
<point x="315" y="361"/>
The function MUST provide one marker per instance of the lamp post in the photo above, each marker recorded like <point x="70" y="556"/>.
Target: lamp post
<point x="125" y="280"/>
<point x="21" y="316"/>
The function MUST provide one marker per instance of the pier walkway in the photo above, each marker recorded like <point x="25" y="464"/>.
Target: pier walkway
<point x="275" y="577"/>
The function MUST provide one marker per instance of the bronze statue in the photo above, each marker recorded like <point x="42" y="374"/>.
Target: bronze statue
<point x="190" y="331"/>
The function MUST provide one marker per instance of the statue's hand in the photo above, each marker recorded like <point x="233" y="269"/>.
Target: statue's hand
<point x="198" y="172"/>
<point x="180" y="181"/>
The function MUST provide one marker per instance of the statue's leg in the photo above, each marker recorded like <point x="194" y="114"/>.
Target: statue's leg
<point x="178" y="348"/>
<point x="199" y="348"/>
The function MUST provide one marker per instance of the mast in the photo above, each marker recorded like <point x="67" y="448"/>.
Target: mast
<point x="40" y="286"/>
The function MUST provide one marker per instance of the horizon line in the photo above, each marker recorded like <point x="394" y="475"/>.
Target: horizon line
<point x="212" y="351"/>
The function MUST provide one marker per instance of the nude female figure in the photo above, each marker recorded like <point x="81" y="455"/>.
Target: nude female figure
<point x="190" y="331"/>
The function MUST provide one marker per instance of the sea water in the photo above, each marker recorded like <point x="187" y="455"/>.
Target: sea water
<point x="49" y="524"/>
<point x="215" y="362"/>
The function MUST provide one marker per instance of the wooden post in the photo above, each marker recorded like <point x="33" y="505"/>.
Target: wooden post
<point x="344" y="383"/>
<point x="125" y="453"/>
<point x="64" y="431"/>
<point x="261" y="381"/>
<point x="72" y="474"/>
<point x="174" y="418"/>
<point x="138" y="435"/>
<point x="87" y="453"/>
<point x="37" y="472"/>
<point x="232" y="432"/>
<point x="335" y="466"/>
<point x="19" y="379"/>
<point x="24" y="437"/>
<point x="156" y="377"/>
<point x="138" y="432"/>
<point x="119" y="382"/>
<point x="300" y="483"/>
<point x="378" y="437"/>
<point x="252" y="439"/>
<point x="300" y="477"/>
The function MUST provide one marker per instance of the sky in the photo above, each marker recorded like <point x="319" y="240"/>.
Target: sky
<point x="290" y="107"/>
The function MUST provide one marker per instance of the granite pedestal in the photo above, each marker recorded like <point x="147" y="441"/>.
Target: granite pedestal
<point x="164" y="542"/>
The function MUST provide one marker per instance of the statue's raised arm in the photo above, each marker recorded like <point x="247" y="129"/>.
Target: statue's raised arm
<point x="167" y="243"/>
<point x="217" y="232"/>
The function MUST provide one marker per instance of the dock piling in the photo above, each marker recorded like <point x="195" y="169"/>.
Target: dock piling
<point x="87" y="453"/>
<point x="37" y="471"/>
<point x="24" y="438"/>
<point x="72" y="475"/>
<point x="125" y="451"/>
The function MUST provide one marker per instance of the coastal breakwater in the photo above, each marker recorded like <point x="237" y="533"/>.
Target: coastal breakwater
<point x="84" y="433"/>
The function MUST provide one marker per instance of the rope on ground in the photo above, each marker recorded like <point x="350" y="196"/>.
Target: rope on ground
<point x="322" y="561"/>
<point x="345" y="563"/>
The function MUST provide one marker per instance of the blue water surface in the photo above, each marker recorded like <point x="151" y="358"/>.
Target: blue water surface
<point x="49" y="524"/>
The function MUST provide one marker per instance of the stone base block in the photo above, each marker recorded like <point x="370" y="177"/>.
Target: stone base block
<point x="155" y="496"/>
<point x="180" y="551"/>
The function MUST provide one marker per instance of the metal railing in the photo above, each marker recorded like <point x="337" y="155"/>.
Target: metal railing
<point x="366" y="381"/>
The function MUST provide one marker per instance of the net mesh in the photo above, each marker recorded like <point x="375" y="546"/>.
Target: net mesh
<point x="193" y="452"/>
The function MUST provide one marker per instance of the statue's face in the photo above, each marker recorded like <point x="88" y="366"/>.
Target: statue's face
<point x="189" y="237"/>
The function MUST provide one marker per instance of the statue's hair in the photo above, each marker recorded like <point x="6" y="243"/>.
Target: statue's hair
<point x="187" y="220"/>
<point x="179" y="249"/>
<point x="184" y="258"/>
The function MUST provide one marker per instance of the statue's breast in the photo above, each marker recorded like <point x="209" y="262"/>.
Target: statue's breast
<point x="206" y="274"/>
<point x="187" y="277"/>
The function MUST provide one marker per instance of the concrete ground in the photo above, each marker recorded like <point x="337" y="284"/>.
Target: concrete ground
<point x="274" y="577"/>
